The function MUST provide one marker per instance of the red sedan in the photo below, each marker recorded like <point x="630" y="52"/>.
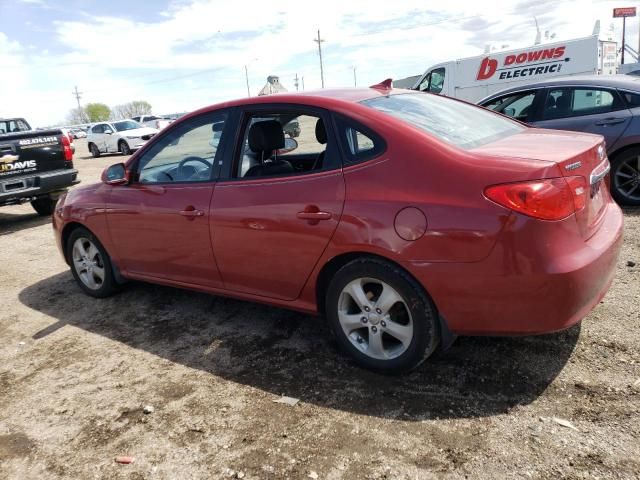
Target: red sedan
<point x="404" y="218"/>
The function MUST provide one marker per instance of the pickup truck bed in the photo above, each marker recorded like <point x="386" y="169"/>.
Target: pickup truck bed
<point x="36" y="167"/>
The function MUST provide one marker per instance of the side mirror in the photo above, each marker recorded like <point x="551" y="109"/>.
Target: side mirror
<point x="290" y="144"/>
<point x="509" y="112"/>
<point x="108" y="132"/>
<point x="115" y="175"/>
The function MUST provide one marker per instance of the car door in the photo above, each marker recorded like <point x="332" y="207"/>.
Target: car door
<point x="159" y="222"/>
<point x="111" y="138"/>
<point x="97" y="136"/>
<point x="586" y="109"/>
<point x="274" y="214"/>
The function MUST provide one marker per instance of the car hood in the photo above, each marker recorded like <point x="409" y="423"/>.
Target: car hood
<point x="138" y="132"/>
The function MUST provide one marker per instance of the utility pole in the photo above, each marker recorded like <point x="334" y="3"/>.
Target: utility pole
<point x="303" y="83"/>
<point x="77" y="94"/>
<point x="624" y="24"/>
<point x="295" y="82"/>
<point x="355" y="83"/>
<point x="319" y="42"/>
<point x="246" y="77"/>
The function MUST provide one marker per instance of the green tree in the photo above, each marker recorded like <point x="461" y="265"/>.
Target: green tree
<point x="97" y="112"/>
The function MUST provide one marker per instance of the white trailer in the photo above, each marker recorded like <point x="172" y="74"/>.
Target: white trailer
<point x="474" y="78"/>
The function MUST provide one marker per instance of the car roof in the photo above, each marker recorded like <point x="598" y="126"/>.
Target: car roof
<point x="326" y="97"/>
<point x="625" y="82"/>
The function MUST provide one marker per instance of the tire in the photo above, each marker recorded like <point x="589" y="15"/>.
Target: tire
<point x="405" y="333"/>
<point x="625" y="177"/>
<point x="124" y="148"/>
<point x="44" y="206"/>
<point x="90" y="264"/>
<point x="93" y="148"/>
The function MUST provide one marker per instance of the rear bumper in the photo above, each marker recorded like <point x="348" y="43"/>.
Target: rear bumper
<point x="540" y="277"/>
<point x="27" y="187"/>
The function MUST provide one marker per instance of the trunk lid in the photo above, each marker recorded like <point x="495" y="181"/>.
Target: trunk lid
<point x="575" y="155"/>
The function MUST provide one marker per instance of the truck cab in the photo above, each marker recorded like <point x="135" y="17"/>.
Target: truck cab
<point x="436" y="80"/>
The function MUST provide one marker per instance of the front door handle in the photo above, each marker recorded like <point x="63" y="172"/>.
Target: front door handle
<point x="610" y="121"/>
<point x="191" y="212"/>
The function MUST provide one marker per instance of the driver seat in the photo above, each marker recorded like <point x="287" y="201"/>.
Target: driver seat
<point x="265" y="138"/>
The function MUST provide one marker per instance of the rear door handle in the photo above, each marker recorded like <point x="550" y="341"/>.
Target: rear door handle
<point x="314" y="215"/>
<point x="610" y="121"/>
<point x="191" y="212"/>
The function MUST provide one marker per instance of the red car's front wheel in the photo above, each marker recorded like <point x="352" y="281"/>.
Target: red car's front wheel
<point x="90" y="264"/>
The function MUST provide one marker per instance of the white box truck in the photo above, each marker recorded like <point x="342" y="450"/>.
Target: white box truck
<point x="474" y="78"/>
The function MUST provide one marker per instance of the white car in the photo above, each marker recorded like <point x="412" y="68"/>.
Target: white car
<point x="153" y="121"/>
<point x="123" y="136"/>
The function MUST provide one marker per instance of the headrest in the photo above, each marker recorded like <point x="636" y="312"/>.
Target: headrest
<point x="321" y="132"/>
<point x="551" y="101"/>
<point x="266" y="136"/>
<point x="563" y="102"/>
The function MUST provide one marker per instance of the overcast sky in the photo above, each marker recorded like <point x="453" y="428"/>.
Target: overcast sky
<point x="183" y="54"/>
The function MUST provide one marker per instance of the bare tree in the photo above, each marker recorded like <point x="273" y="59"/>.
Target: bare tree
<point x="131" y="109"/>
<point x="77" y="115"/>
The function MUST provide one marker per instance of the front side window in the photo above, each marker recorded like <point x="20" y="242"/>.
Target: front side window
<point x="185" y="154"/>
<point x="574" y="102"/>
<point x="433" y="82"/>
<point x="517" y="105"/>
<point x="282" y="144"/>
<point x="461" y="124"/>
<point x="98" y="129"/>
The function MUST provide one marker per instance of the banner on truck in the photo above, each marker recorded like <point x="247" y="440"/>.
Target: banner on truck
<point x="540" y="61"/>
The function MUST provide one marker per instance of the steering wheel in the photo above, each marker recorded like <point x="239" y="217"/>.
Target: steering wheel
<point x="181" y="170"/>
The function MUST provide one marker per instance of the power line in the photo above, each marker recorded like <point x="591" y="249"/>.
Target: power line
<point x="319" y="42"/>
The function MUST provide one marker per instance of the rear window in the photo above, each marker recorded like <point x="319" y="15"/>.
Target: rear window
<point x="460" y="124"/>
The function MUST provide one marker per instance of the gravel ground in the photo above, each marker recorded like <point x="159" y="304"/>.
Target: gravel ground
<point x="75" y="374"/>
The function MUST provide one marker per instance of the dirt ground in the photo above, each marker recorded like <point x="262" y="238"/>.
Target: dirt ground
<point x="75" y="374"/>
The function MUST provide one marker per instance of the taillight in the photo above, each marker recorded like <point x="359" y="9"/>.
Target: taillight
<point x="66" y="148"/>
<point x="548" y="199"/>
<point x="70" y="137"/>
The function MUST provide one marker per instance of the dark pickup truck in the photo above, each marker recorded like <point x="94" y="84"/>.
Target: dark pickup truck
<point x="35" y="166"/>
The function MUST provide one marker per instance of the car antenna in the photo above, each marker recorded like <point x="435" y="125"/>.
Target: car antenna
<point x="383" y="85"/>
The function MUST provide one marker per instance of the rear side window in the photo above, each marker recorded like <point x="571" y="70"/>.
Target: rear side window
<point x="358" y="142"/>
<point x="632" y="99"/>
<point x="461" y="124"/>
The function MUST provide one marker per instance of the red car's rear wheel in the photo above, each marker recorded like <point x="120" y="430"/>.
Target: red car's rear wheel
<point x="381" y="316"/>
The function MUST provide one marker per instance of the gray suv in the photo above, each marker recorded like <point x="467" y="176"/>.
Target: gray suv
<point x="606" y="105"/>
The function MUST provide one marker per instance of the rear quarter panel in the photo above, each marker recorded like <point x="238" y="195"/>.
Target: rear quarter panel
<point x="444" y="182"/>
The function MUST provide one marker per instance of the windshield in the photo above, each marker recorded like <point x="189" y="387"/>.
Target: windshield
<point x="460" y="124"/>
<point x="126" y="125"/>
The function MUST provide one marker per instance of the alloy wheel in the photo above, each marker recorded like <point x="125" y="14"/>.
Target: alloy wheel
<point x="627" y="178"/>
<point x="88" y="263"/>
<point x="375" y="318"/>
